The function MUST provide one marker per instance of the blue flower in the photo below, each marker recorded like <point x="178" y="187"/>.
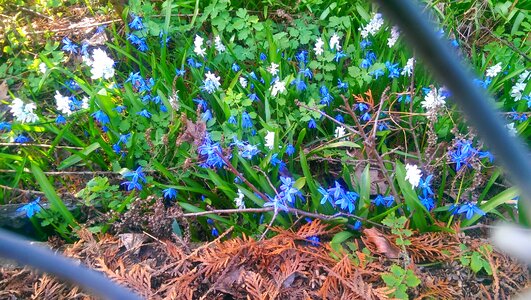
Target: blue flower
<point x="180" y="72"/>
<point x="210" y="153"/>
<point x="119" y="109"/>
<point x="312" y="124"/>
<point x="215" y="232"/>
<point x="365" y="43"/>
<point x="144" y="113"/>
<point x="470" y="210"/>
<point x="339" y="118"/>
<point x="5" y="126"/>
<point x="463" y="154"/>
<point x="139" y="42"/>
<point x="299" y="84"/>
<point x="275" y="161"/>
<point x="427" y="201"/>
<point x="72" y="84"/>
<point x="342" y="85"/>
<point x="124" y="138"/>
<point x="235" y="67"/>
<point x="263" y="56"/>
<point x="206" y="116"/>
<point x="386" y="201"/>
<point x="394" y="70"/>
<point x="253" y="97"/>
<point x="163" y="42"/>
<point x="377" y="73"/>
<point x="365" y="63"/>
<point x="60" y="120"/>
<point x="232" y="120"/>
<point x="425" y="185"/>
<point x="100" y="29"/>
<point x="302" y="57"/>
<point x="346" y="200"/>
<point x="277" y="203"/>
<point x="362" y="106"/>
<point x="169" y="193"/>
<point x="326" y="196"/>
<point x="339" y="55"/>
<point x="314" y="241"/>
<point x="192" y="63"/>
<point x="31" y="208"/>
<point x="135" y="178"/>
<point x="290" y="150"/>
<point x="405" y="98"/>
<point x="136" y="23"/>
<point x="69" y="46"/>
<point x="366" y="117"/>
<point x="21" y="139"/>
<point x="357" y="225"/>
<point x="246" y="120"/>
<point x="117" y="149"/>
<point x="370" y="56"/>
<point x="307" y="73"/>
<point x="383" y="125"/>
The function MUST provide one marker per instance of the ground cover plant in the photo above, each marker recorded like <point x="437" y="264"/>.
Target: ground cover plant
<point x="184" y="119"/>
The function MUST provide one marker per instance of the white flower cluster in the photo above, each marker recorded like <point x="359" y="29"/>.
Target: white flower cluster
<point x="519" y="87"/>
<point x="211" y="82"/>
<point x="273" y="69"/>
<point x="433" y="100"/>
<point x="408" y="68"/>
<point x="198" y="46"/>
<point x="279" y="87"/>
<point x="102" y="65"/>
<point x="239" y="200"/>
<point x="395" y="33"/>
<point x="63" y="103"/>
<point x="270" y="139"/>
<point x="494" y="70"/>
<point x="339" y="132"/>
<point x="23" y="112"/>
<point x="318" y="49"/>
<point x="219" y="44"/>
<point x="413" y="175"/>
<point x="243" y="81"/>
<point x="334" y="42"/>
<point x="43" y="68"/>
<point x="373" y="27"/>
<point x="511" y="129"/>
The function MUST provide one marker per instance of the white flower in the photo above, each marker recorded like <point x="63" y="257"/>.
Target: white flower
<point x="211" y="82"/>
<point x="219" y="44"/>
<point x="319" y="46"/>
<point x="434" y="99"/>
<point x="63" y="103"/>
<point x="413" y="175"/>
<point x="523" y="76"/>
<point x="243" y="81"/>
<point x="511" y="129"/>
<point x="270" y="139"/>
<point x="517" y="89"/>
<point x="85" y="102"/>
<point x="391" y="41"/>
<point x="339" y="132"/>
<point x="494" y="70"/>
<point x="198" y="43"/>
<point x="279" y="87"/>
<point x="23" y="112"/>
<point x="102" y="65"/>
<point x="273" y="69"/>
<point x="334" y="42"/>
<point x="408" y="68"/>
<point x="43" y="68"/>
<point x="373" y="27"/>
<point x="239" y="200"/>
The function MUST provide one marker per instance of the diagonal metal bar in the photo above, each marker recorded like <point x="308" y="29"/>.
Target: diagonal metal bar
<point x="511" y="153"/>
<point x="21" y="251"/>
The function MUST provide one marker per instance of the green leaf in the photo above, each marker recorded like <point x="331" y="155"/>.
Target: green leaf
<point x="492" y="203"/>
<point x="55" y="202"/>
<point x="74" y="159"/>
<point x="476" y="262"/>
<point x="347" y="144"/>
<point x="411" y="199"/>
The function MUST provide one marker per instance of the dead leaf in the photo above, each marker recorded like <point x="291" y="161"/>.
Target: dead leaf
<point x="132" y="241"/>
<point x="377" y="243"/>
<point x="3" y="91"/>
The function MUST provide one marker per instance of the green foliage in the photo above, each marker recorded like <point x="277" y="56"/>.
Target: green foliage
<point x="400" y="280"/>
<point x="476" y="260"/>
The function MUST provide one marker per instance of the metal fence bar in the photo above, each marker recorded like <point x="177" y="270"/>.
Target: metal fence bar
<point x="511" y="153"/>
<point x="21" y="251"/>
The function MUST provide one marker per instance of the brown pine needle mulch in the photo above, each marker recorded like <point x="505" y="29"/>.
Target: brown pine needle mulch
<point x="285" y="266"/>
